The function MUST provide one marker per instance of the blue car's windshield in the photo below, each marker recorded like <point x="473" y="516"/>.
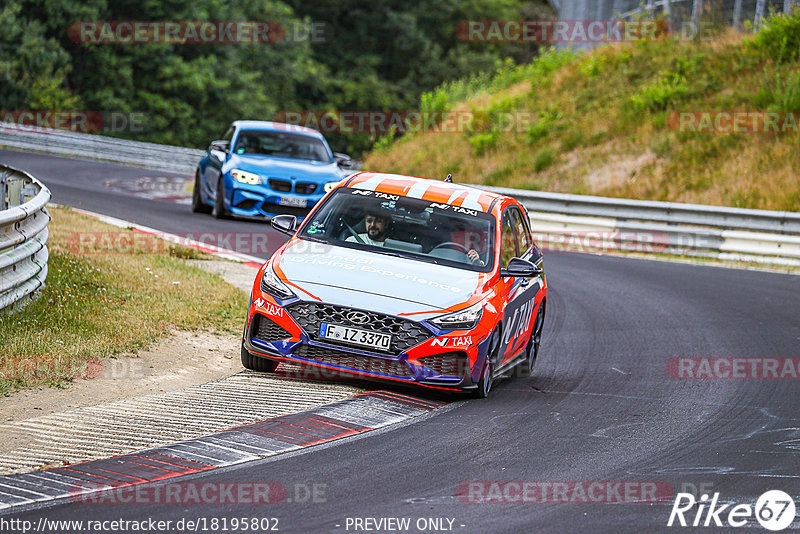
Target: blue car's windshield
<point x="282" y="144"/>
<point x="409" y="227"/>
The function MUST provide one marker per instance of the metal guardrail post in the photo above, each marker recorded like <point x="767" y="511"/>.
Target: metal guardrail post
<point x="3" y="175"/>
<point x="14" y="192"/>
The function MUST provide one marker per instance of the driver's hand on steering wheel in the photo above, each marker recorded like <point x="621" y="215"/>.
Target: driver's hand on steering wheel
<point x="474" y="257"/>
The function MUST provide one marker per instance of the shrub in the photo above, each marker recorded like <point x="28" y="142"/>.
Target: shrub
<point x="543" y="159"/>
<point x="482" y="143"/>
<point x="779" y="38"/>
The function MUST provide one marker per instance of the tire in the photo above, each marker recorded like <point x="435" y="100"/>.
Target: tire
<point x="255" y="363"/>
<point x="525" y="369"/>
<point x="219" y="204"/>
<point x="197" y="198"/>
<point x="487" y="376"/>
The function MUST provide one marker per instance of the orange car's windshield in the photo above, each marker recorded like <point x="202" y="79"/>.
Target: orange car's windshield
<point x="408" y="227"/>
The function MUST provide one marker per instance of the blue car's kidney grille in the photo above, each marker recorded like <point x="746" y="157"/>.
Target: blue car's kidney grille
<point x="405" y="334"/>
<point x="353" y="361"/>
<point x="281" y="186"/>
<point x="304" y="188"/>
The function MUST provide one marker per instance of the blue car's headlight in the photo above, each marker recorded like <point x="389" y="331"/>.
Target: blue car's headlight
<point x="460" y="320"/>
<point x="246" y="177"/>
<point x="329" y="186"/>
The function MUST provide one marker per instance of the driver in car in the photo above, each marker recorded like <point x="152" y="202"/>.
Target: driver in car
<point x="469" y="241"/>
<point x="377" y="224"/>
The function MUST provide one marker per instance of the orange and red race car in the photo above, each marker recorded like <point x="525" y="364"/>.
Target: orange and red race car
<point x="402" y="279"/>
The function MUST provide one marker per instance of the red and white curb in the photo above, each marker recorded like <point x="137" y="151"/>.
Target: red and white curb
<point x="238" y="445"/>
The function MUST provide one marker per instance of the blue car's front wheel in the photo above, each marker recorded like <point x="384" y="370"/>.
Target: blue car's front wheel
<point x="197" y="199"/>
<point x="219" y="202"/>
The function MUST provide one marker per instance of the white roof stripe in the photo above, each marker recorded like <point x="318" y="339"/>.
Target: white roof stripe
<point x="471" y="201"/>
<point x="371" y="183"/>
<point x="418" y="189"/>
<point x="453" y="196"/>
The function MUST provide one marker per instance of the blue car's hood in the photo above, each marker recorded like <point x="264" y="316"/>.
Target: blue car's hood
<point x="285" y="167"/>
<point x="375" y="281"/>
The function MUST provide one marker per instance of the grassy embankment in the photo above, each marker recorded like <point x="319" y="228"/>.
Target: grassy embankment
<point x="103" y="301"/>
<point x="607" y="122"/>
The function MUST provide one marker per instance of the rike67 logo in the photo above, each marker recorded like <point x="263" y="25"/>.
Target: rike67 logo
<point x="774" y="510"/>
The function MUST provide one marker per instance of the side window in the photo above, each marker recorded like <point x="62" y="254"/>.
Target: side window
<point x="522" y="230"/>
<point x="508" y="245"/>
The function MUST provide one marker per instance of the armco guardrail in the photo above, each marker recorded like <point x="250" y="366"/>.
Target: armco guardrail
<point x="23" y="237"/>
<point x="580" y="222"/>
<point x="571" y="222"/>
<point x="150" y="155"/>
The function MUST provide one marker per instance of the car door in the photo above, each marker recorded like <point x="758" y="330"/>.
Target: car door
<point x="521" y="292"/>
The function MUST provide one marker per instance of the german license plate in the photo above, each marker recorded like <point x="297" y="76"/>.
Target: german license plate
<point x="356" y="336"/>
<point x="293" y="202"/>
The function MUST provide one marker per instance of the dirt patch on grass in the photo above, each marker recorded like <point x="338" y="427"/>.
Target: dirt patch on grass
<point x="618" y="169"/>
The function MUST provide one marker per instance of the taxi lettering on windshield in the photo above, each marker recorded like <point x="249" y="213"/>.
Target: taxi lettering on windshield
<point x="456" y="209"/>
<point x="269" y="308"/>
<point x="461" y="341"/>
<point x="376" y="194"/>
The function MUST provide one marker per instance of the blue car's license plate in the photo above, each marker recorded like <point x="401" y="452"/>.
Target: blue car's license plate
<point x="293" y="202"/>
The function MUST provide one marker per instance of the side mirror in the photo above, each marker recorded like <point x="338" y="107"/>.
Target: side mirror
<point x="221" y="145"/>
<point x="285" y="224"/>
<point x="343" y="160"/>
<point x="517" y="267"/>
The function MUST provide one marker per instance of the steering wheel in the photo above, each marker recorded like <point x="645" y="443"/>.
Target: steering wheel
<point x="452" y="244"/>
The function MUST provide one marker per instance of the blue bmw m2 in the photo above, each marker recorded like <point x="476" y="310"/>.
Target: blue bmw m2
<point x="261" y="168"/>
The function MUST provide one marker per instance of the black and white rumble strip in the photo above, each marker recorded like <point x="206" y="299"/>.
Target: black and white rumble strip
<point x="347" y="417"/>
